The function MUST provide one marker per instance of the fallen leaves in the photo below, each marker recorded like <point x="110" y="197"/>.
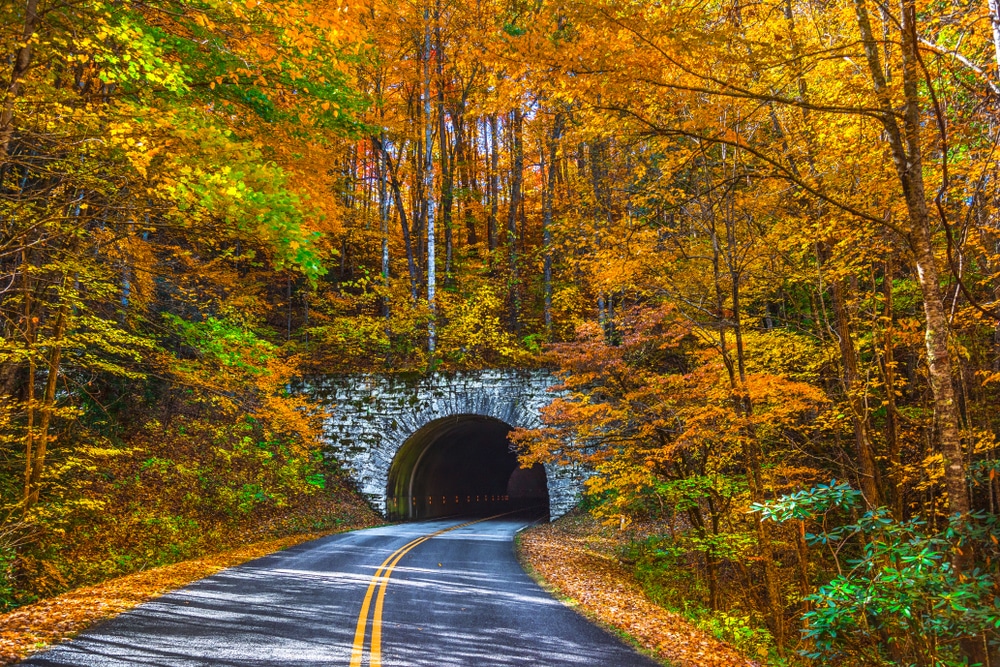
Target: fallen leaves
<point x="34" y="627"/>
<point x="566" y="555"/>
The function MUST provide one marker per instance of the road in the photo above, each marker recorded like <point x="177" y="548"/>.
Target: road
<point x="434" y="593"/>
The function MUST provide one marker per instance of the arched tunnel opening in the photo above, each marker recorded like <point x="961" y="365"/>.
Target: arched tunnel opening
<point x="462" y="465"/>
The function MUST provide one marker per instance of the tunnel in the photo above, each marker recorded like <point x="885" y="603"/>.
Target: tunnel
<point x="462" y="465"/>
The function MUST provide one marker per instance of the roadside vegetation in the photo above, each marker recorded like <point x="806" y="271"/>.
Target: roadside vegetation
<point x="34" y="627"/>
<point x="759" y="243"/>
<point x="579" y="560"/>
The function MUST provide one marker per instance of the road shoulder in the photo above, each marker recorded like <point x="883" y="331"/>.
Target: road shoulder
<point x="35" y="627"/>
<point x="563" y="558"/>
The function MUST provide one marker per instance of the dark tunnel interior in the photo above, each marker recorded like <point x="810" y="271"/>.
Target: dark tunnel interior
<point x="462" y="465"/>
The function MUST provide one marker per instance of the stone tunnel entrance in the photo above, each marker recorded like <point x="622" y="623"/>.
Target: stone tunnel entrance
<point x="462" y="464"/>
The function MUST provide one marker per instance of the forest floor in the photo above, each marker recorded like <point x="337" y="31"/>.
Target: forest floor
<point x="33" y="627"/>
<point x="574" y="558"/>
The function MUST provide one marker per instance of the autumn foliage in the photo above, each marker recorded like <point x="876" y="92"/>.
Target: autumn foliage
<point x="147" y="219"/>
<point x="757" y="242"/>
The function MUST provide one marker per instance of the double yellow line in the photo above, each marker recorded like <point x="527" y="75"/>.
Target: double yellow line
<point x="380" y="581"/>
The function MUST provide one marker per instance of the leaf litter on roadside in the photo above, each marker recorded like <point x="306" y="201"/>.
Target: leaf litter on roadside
<point x="566" y="556"/>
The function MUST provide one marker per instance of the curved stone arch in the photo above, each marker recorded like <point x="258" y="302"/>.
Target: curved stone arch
<point x="410" y="474"/>
<point x="371" y="416"/>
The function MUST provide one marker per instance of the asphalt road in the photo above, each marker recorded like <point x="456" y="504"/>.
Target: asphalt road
<point x="457" y="598"/>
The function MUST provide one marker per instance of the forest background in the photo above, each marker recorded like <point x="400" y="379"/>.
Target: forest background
<point x="760" y="243"/>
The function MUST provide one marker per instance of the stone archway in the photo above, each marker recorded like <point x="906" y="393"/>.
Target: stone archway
<point x="373" y="416"/>
<point x="462" y="464"/>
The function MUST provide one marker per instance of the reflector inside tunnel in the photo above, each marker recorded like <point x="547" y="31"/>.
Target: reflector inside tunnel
<point x="462" y="464"/>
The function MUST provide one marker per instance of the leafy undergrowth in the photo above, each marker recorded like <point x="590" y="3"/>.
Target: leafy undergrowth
<point x="574" y="557"/>
<point x="33" y="627"/>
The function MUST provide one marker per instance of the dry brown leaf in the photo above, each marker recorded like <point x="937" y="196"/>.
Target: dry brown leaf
<point x="563" y="555"/>
<point x="33" y="627"/>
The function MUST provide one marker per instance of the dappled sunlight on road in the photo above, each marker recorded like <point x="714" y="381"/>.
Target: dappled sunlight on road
<point x="457" y="599"/>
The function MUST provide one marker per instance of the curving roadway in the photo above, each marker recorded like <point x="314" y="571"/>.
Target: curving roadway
<point x="431" y="593"/>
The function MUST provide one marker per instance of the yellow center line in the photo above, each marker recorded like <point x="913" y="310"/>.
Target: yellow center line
<point x="357" y="652"/>
<point x="380" y="581"/>
<point x="376" y="649"/>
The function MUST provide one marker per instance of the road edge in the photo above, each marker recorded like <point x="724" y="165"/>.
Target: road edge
<point x="569" y="558"/>
<point x="39" y="626"/>
<point x="575" y="604"/>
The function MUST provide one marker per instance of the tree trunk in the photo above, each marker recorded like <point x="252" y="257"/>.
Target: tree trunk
<point x="447" y="158"/>
<point x="411" y="261"/>
<point x="494" y="183"/>
<point x="41" y="441"/>
<point x="549" y="168"/>
<point x="744" y="407"/>
<point x="516" y="178"/>
<point x="419" y="200"/>
<point x="31" y="338"/>
<point x="466" y="177"/>
<point x="383" y="215"/>
<point x="907" y="159"/>
<point x="939" y="368"/>
<point x="891" y="416"/>
<point x="871" y="480"/>
<point x="22" y="61"/>
<point x="995" y="21"/>
<point x="802" y="551"/>
<point x="937" y="329"/>
<point x="428" y="181"/>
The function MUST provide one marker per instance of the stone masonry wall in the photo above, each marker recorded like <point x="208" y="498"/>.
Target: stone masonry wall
<point x="371" y="416"/>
